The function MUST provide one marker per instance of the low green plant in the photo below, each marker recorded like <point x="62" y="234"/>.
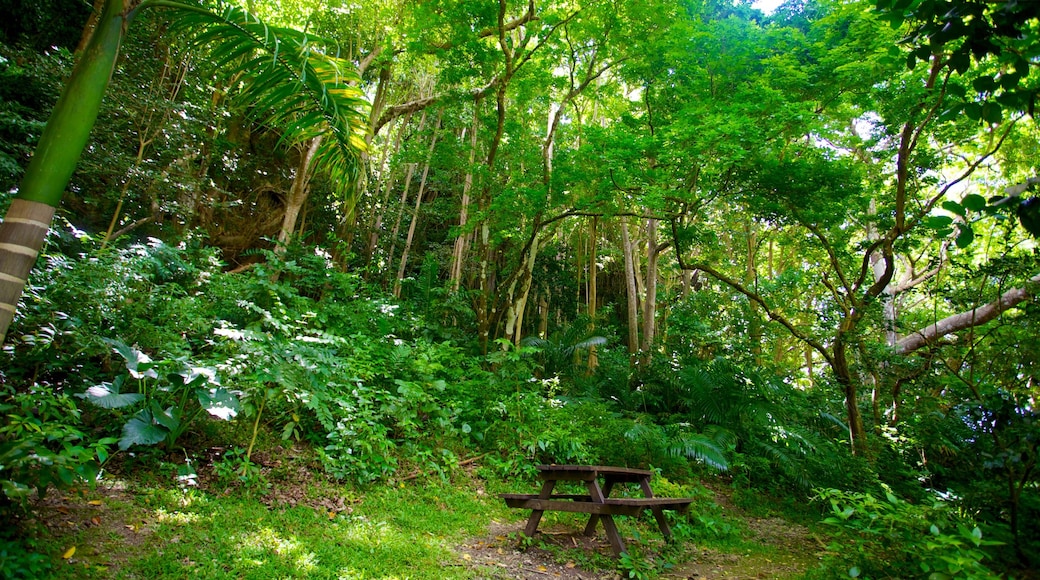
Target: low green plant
<point x="634" y="563"/>
<point x="235" y="467"/>
<point x="42" y="444"/>
<point x="168" y="394"/>
<point x="16" y="561"/>
<point x="890" y="537"/>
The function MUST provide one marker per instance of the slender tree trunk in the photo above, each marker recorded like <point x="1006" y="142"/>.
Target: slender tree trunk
<point x="458" y="256"/>
<point x="650" y="298"/>
<point x="843" y="373"/>
<point x="755" y="330"/>
<point x="515" y="308"/>
<point x="415" y="213"/>
<point x="387" y="178"/>
<point x="593" y="291"/>
<point x="543" y="314"/>
<point x="630" y="288"/>
<point x="27" y="221"/>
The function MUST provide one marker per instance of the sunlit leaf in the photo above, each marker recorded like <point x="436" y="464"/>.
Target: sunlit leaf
<point x="107" y="395"/>
<point x="219" y="402"/>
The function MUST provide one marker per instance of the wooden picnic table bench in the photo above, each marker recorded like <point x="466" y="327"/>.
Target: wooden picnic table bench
<point x="597" y="502"/>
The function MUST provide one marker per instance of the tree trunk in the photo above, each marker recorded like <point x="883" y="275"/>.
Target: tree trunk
<point x="415" y="213"/>
<point x="842" y="372"/>
<point x="27" y="221"/>
<point x="968" y="319"/>
<point x="515" y="308"/>
<point x="630" y="288"/>
<point x="650" y="299"/>
<point x="593" y="298"/>
<point x="755" y="330"/>
<point x="299" y="191"/>
<point x="458" y="256"/>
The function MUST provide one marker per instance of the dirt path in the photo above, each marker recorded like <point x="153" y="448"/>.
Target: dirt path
<point x="567" y="554"/>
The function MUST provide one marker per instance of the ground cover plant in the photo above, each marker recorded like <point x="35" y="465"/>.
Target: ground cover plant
<point x="323" y="279"/>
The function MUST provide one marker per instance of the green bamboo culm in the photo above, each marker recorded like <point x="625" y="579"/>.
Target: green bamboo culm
<point x="28" y="220"/>
<point x="73" y="117"/>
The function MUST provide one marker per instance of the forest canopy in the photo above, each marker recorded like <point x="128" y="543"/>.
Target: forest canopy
<point x="797" y="247"/>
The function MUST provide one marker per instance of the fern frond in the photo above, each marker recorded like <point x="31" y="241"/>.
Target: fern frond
<point x="702" y="448"/>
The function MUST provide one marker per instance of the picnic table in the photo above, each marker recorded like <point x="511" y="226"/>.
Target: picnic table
<point x="597" y="502"/>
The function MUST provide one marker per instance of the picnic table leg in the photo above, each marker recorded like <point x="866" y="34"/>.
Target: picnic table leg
<point x="612" y="534"/>
<point x="536" y="515"/>
<point x="662" y="522"/>
<point x="599" y="495"/>
<point x="590" y="528"/>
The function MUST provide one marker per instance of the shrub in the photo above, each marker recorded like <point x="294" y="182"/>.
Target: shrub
<point x="889" y="537"/>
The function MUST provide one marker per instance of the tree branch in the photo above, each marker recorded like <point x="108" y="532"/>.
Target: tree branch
<point x="773" y="315"/>
<point x="967" y="319"/>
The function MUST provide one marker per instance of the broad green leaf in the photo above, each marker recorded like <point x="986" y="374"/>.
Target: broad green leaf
<point x="954" y="207"/>
<point x="973" y="111"/>
<point x="107" y="395"/>
<point x="992" y="113"/>
<point x="139" y="364"/>
<point x="974" y="202"/>
<point x="219" y="402"/>
<point x="936" y="222"/>
<point x="141" y="429"/>
<point x="965" y="237"/>
<point x="984" y="84"/>
<point x="15" y="490"/>
<point x="169" y="418"/>
<point x="196" y="376"/>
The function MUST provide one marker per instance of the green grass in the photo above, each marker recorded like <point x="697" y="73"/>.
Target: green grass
<point x="390" y="533"/>
<point x="301" y="525"/>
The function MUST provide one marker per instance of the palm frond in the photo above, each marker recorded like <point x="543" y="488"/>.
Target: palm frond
<point x="287" y="79"/>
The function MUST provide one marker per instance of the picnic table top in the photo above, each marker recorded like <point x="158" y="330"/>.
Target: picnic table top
<point x="584" y="472"/>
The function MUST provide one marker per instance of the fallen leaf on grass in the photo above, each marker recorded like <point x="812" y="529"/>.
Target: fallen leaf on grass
<point x="68" y="553"/>
<point x="94" y="502"/>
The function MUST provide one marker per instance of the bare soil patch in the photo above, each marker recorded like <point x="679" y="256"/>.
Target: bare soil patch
<point x="498" y="555"/>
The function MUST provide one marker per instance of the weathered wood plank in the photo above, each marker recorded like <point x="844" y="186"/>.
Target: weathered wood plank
<point x="618" y="506"/>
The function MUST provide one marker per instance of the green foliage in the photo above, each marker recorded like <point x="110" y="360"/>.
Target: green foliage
<point x="170" y="394"/>
<point x="882" y="537"/>
<point x="235" y="468"/>
<point x="19" y="561"/>
<point x="329" y="365"/>
<point x="28" y="86"/>
<point x="43" y="444"/>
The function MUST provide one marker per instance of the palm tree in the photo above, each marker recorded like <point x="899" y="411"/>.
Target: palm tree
<point x="297" y="82"/>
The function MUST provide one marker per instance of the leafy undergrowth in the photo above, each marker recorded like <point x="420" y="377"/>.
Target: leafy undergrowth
<point x="290" y="522"/>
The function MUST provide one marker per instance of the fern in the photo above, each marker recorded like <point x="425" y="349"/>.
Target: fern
<point x="700" y="447"/>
